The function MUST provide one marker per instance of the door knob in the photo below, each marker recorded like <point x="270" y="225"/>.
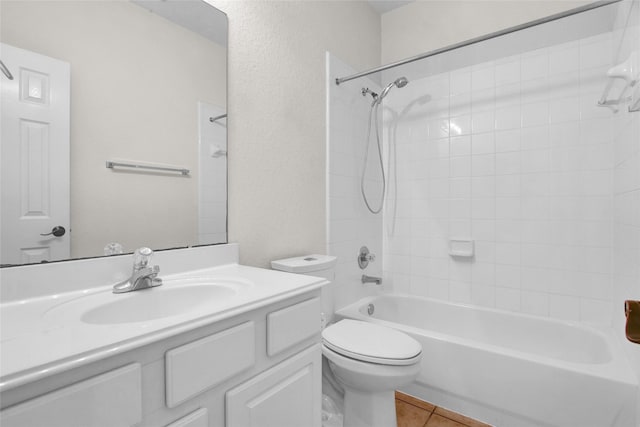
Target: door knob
<point x="57" y="231"/>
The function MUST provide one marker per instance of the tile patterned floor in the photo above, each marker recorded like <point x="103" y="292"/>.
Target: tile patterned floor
<point x="413" y="412"/>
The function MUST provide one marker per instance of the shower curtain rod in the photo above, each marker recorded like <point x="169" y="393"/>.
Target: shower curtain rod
<point x="489" y="36"/>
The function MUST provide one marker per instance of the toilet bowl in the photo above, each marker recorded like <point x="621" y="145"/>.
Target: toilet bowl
<point x="370" y="362"/>
<point x="367" y="361"/>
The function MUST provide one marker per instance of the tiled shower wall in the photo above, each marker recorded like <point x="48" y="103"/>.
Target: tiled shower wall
<point x="515" y="155"/>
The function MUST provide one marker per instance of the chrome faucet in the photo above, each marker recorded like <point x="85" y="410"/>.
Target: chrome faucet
<point x="371" y="279"/>
<point x="143" y="276"/>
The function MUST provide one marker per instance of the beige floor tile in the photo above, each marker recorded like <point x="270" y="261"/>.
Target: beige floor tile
<point x="415" y="401"/>
<point x="410" y="416"/>
<point x="440" y="421"/>
<point x="470" y="422"/>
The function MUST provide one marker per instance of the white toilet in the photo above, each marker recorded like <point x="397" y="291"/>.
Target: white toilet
<point x="368" y="360"/>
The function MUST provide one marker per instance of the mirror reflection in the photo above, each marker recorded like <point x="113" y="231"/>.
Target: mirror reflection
<point x="141" y="84"/>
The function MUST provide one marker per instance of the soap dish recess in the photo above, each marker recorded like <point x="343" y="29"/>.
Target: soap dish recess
<point x="461" y="247"/>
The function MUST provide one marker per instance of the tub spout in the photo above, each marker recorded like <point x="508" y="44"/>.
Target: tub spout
<point x="371" y="279"/>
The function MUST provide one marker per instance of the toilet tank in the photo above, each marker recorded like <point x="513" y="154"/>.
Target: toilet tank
<point x="311" y="265"/>
<point x="314" y="265"/>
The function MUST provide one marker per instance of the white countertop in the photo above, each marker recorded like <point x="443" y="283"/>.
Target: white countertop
<point x="40" y="336"/>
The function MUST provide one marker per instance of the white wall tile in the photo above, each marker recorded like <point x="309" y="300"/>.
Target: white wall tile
<point x="508" y="299"/>
<point x="460" y="166"/>
<point x="508" y="276"/>
<point x="534" y="138"/>
<point x="535" y="114"/>
<point x="519" y="157"/>
<point x="508" y="231"/>
<point x="536" y="303"/>
<point x="460" y="125"/>
<point x="563" y="59"/>
<point x="483" y="121"/>
<point x="506" y="185"/>
<point x="508" y="163"/>
<point x="508" y="208"/>
<point x="535" y="66"/>
<point x="483" y="143"/>
<point x="483" y="186"/>
<point x="484" y="208"/>
<point x="535" y="161"/>
<point x="508" y="118"/>
<point x="533" y="91"/>
<point x="460" y="82"/>
<point x="483" y="229"/>
<point x="508" y="96"/>
<point x="564" y="109"/>
<point x="508" y="253"/>
<point x="482" y="100"/>
<point x="460" y="145"/>
<point x="483" y="296"/>
<point x="564" y="134"/>
<point x="460" y="292"/>
<point x="564" y="307"/>
<point x="594" y="53"/>
<point x="460" y="104"/>
<point x="483" y="164"/>
<point x="460" y="187"/>
<point x="507" y="73"/>
<point x="483" y="78"/>
<point x="508" y="140"/>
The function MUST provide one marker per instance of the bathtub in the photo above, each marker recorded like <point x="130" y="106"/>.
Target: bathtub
<point x="508" y="369"/>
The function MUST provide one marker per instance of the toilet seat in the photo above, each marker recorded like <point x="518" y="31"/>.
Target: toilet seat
<point x="371" y="343"/>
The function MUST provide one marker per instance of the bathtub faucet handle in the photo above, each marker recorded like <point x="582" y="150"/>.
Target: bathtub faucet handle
<point x="364" y="257"/>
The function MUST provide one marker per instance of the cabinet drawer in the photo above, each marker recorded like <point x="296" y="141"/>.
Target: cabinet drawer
<point x="202" y="364"/>
<point x="292" y="325"/>
<point x="110" y="399"/>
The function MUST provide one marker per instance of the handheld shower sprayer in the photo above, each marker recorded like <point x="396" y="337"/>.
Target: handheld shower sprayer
<point x="377" y="100"/>
<point x="399" y="83"/>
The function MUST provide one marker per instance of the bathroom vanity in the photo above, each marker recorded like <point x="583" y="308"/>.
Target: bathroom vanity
<point x="225" y="345"/>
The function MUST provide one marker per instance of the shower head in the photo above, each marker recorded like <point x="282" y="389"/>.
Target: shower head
<point x="399" y="82"/>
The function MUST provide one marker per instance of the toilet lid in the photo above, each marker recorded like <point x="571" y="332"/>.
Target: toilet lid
<point x="371" y="343"/>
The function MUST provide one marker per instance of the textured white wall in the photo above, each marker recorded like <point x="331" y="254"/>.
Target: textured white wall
<point x="276" y="120"/>
<point x="424" y="25"/>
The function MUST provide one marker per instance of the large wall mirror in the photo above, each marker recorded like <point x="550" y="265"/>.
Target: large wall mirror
<point x="113" y="127"/>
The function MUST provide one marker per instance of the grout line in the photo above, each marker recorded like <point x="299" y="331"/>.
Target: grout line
<point x="428" y="418"/>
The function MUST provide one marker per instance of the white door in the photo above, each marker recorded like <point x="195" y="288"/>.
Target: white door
<point x="34" y="159"/>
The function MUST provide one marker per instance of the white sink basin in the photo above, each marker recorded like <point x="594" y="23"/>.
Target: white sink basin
<point x="155" y="303"/>
<point x="175" y="297"/>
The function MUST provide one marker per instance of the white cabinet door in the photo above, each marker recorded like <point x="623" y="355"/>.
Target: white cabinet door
<point x="287" y="395"/>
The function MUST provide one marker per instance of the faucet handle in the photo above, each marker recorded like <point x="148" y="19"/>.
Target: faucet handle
<point x="141" y="258"/>
<point x="365" y="257"/>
